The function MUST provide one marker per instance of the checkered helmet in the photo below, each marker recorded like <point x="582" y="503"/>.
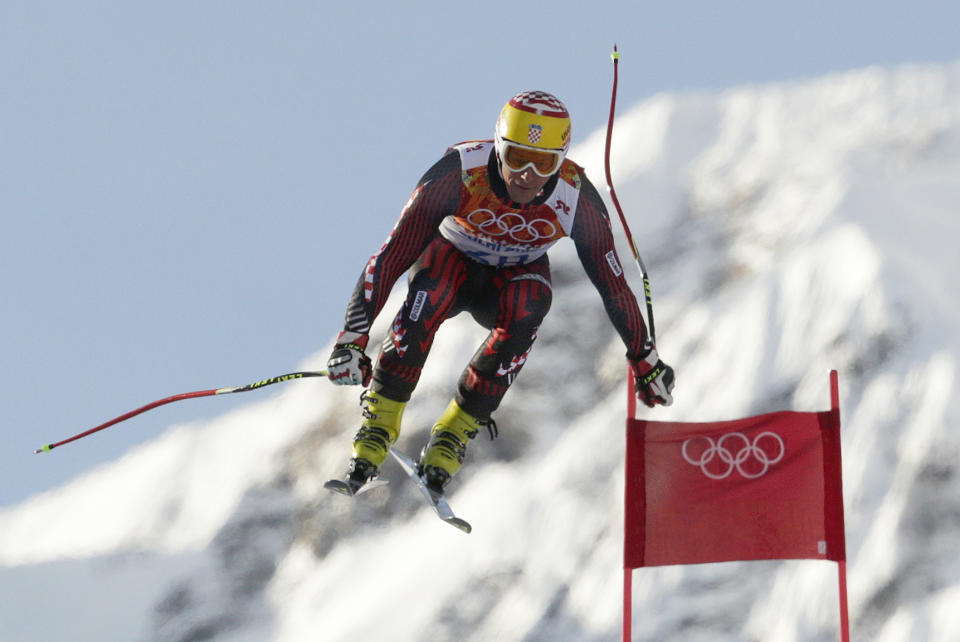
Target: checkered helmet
<point x="534" y="119"/>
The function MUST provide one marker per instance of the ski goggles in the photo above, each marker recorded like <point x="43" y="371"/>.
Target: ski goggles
<point x="517" y="158"/>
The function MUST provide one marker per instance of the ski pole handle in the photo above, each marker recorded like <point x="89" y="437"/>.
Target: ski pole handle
<point x="186" y="395"/>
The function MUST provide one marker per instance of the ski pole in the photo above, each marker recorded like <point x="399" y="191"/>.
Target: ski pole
<point x="613" y="195"/>
<point x="186" y="395"/>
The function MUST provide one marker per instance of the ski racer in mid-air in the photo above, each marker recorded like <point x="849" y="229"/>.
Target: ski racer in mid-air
<point x="475" y="235"/>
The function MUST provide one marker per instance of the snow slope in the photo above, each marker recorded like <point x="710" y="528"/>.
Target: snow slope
<point x="788" y="229"/>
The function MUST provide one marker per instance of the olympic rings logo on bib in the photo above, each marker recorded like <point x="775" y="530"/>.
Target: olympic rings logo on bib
<point x="734" y="451"/>
<point x="512" y="225"/>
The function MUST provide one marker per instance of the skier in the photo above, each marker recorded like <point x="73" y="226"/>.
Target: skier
<point x="475" y="235"/>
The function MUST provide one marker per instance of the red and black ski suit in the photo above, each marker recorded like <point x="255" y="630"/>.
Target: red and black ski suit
<point x="468" y="246"/>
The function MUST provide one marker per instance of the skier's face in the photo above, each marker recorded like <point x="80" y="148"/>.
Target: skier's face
<point x="522" y="186"/>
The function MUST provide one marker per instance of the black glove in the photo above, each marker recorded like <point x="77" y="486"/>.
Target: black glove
<point x="654" y="379"/>
<point x="348" y="365"/>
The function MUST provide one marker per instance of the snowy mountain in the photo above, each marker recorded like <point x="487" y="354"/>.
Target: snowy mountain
<point x="788" y="229"/>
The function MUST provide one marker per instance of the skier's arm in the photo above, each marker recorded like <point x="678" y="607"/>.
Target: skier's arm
<point x="593" y="238"/>
<point x="435" y="195"/>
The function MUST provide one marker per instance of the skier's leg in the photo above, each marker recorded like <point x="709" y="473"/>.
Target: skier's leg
<point x="524" y="295"/>
<point x="435" y="280"/>
<point x="521" y="298"/>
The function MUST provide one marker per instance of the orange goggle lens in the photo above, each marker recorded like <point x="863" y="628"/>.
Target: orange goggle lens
<point x="544" y="162"/>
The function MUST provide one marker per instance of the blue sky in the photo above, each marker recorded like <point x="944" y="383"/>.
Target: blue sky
<point x="189" y="190"/>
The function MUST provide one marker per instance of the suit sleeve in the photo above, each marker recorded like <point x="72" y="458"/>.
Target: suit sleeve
<point x="436" y="195"/>
<point x="593" y="237"/>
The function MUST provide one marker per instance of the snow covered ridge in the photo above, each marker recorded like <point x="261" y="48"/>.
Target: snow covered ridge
<point x="788" y="229"/>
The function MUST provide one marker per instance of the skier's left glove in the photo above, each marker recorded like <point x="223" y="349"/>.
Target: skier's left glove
<point x="348" y="365"/>
<point x="654" y="379"/>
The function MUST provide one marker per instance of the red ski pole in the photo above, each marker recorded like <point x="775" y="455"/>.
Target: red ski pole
<point x="187" y="395"/>
<point x="613" y="195"/>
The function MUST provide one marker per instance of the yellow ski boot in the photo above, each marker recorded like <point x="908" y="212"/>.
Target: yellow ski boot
<point x="443" y="455"/>
<point x="378" y="432"/>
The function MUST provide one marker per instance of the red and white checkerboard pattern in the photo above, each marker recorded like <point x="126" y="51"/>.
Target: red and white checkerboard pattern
<point x="534" y="132"/>
<point x="540" y="102"/>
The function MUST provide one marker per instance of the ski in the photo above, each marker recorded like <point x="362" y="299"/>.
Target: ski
<point x="342" y="487"/>
<point x="439" y="504"/>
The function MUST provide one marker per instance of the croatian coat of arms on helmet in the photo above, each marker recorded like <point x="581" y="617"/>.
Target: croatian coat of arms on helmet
<point x="534" y="132"/>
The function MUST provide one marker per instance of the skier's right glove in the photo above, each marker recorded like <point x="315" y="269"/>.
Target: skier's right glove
<point x="348" y="365"/>
<point x="654" y="379"/>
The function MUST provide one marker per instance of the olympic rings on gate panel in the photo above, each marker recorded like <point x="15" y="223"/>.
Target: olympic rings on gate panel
<point x="733" y="450"/>
<point x="512" y="224"/>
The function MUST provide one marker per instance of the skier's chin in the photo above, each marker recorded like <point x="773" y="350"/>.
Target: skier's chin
<point x="523" y="194"/>
<point x="523" y="191"/>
